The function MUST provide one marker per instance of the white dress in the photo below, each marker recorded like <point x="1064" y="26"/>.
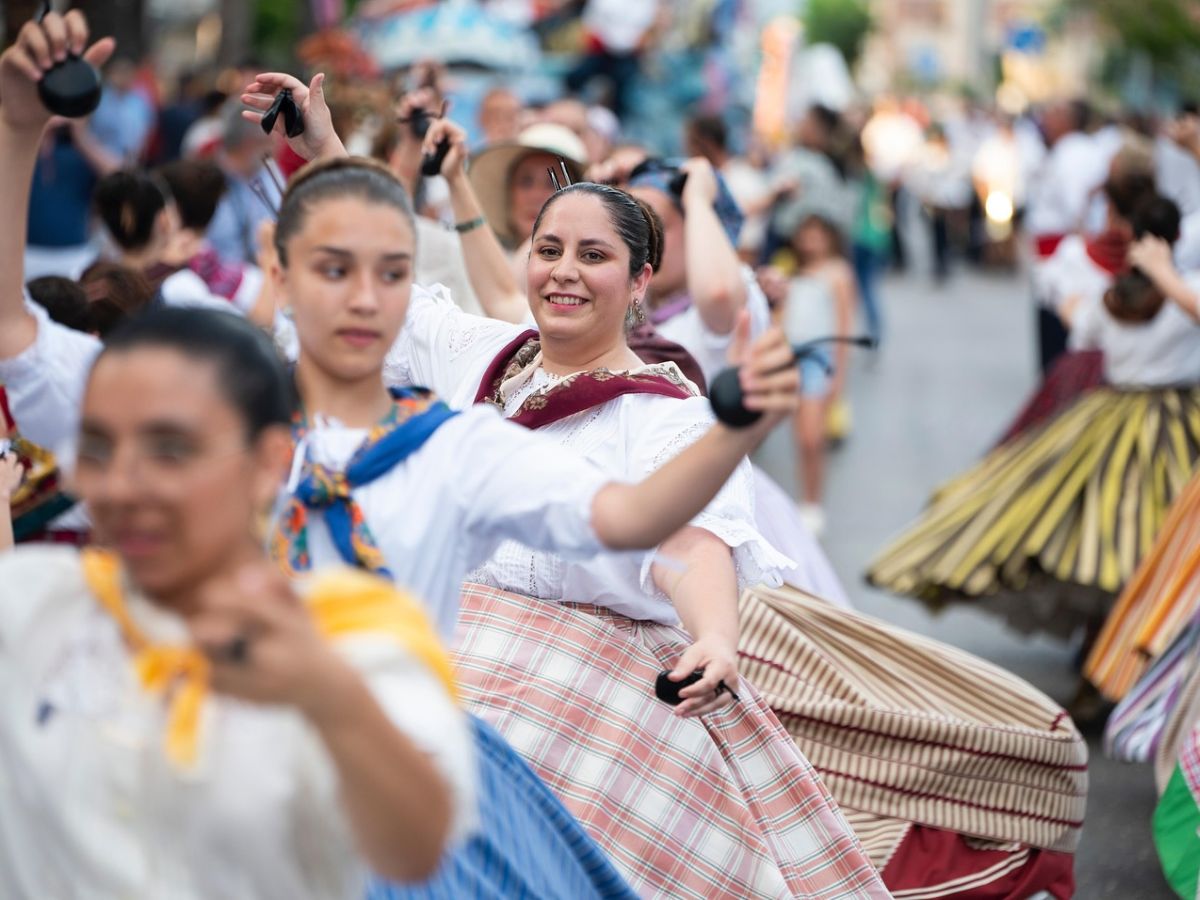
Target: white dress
<point x="436" y="516"/>
<point x="627" y="437"/>
<point x="90" y="806"/>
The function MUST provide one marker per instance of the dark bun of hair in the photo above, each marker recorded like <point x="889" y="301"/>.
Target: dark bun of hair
<point x="654" y="238"/>
<point x="1133" y="298"/>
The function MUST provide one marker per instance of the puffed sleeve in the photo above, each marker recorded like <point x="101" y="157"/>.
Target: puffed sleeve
<point x="658" y="438"/>
<point x="518" y="484"/>
<point x="46" y="381"/>
<point x="444" y="348"/>
<point x="1087" y="325"/>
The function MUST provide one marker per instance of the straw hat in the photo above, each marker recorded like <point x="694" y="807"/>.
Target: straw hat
<point x="491" y="166"/>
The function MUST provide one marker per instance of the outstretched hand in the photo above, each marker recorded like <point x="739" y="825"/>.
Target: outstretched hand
<point x="319" y="140"/>
<point x="769" y="377"/>
<point x="38" y="48"/>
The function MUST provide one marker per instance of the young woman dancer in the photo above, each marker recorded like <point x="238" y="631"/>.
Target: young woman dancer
<point x="223" y="733"/>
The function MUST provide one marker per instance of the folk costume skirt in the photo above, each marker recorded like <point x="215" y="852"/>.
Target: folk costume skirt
<point x="1048" y="528"/>
<point x="527" y="844"/>
<point x="960" y="779"/>
<point x="721" y="806"/>
<point x="1070" y="376"/>
<point x="1156" y="606"/>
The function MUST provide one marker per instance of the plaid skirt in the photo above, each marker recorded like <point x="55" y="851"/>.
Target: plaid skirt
<point x="722" y="806"/>
<point x="1046" y="529"/>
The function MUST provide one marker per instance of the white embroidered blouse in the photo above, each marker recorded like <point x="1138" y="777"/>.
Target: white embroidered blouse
<point x="449" y="351"/>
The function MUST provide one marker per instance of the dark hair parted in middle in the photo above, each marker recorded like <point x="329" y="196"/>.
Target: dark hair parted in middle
<point x="639" y="226"/>
<point x="250" y="374"/>
<point x="336" y="179"/>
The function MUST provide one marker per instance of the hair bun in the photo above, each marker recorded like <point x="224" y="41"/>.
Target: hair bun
<point x="654" y="229"/>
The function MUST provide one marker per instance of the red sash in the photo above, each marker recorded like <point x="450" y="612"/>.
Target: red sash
<point x="575" y="393"/>
<point x="5" y="413"/>
<point x="1045" y="244"/>
<point x="1110" y="251"/>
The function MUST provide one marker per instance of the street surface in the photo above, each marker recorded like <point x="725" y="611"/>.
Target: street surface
<point x="954" y="368"/>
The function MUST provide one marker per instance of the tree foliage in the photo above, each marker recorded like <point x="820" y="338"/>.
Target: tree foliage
<point x="843" y="23"/>
<point x="1168" y="30"/>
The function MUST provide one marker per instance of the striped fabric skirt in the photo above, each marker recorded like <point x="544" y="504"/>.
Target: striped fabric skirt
<point x="1047" y="528"/>
<point x="722" y="806"/>
<point x="527" y="845"/>
<point x="1156" y="605"/>
<point x="960" y="778"/>
<point x="1135" y="729"/>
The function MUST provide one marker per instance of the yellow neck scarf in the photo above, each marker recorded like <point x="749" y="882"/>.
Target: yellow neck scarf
<point x="342" y="602"/>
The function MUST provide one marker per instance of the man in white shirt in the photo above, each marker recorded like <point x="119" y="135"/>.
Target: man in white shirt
<point x="1058" y="200"/>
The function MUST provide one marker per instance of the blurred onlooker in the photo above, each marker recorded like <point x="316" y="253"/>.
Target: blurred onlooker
<point x="251" y="196"/>
<point x="941" y="180"/>
<point x="124" y="119"/>
<point x="820" y="302"/>
<point x="810" y="170"/>
<point x="708" y="136"/>
<point x="177" y="117"/>
<point x="870" y="235"/>
<point x="69" y="164"/>
<point x="512" y="183"/>
<point x="203" y="137"/>
<point x="500" y="116"/>
<point x="1176" y="161"/>
<point x="617" y="32"/>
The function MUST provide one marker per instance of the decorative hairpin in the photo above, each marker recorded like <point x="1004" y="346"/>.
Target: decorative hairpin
<point x="566" y="182"/>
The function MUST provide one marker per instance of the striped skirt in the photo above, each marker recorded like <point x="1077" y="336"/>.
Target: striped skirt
<point x="1075" y="503"/>
<point x="1156" y="605"/>
<point x="1071" y="376"/>
<point x="1135" y="729"/>
<point x="722" y="806"/>
<point x="959" y="778"/>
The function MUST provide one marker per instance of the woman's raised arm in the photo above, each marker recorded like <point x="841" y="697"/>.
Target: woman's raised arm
<point x="23" y="118"/>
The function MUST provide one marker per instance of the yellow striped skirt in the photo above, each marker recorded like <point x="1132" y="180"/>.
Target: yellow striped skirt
<point x="1077" y="501"/>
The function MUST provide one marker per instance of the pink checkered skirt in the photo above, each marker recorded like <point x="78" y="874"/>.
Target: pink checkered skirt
<point x="723" y="806"/>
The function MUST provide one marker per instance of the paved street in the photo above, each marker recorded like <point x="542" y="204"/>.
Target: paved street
<point x="955" y="366"/>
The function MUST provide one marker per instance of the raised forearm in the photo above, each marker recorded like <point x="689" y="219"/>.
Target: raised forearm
<point x="698" y="576"/>
<point x="487" y="264"/>
<point x="398" y="804"/>
<point x="641" y="516"/>
<point x="1176" y="288"/>
<point x="19" y="151"/>
<point x="714" y="271"/>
